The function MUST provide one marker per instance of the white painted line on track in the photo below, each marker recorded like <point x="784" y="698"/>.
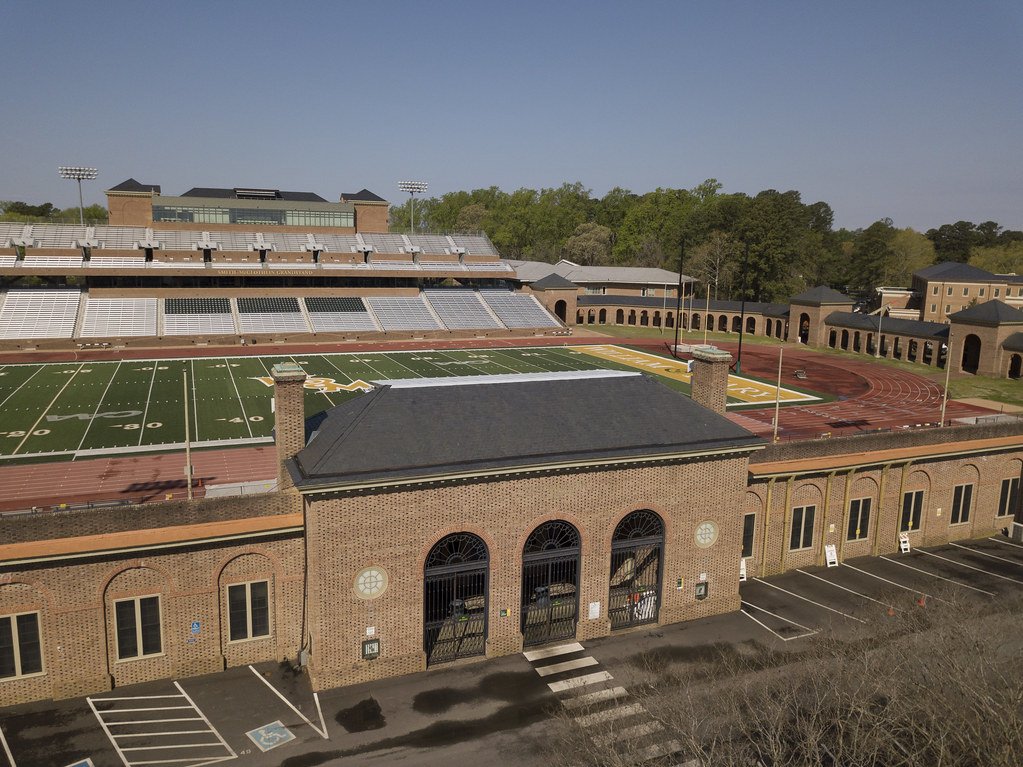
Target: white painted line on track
<point x="810" y="632"/>
<point x="7" y="749"/>
<point x="837" y="586"/>
<point x="571" y="665"/>
<point x="321" y="730"/>
<point x="897" y="585"/>
<point x="600" y="696"/>
<point x="620" y="712"/>
<point x="1006" y="543"/>
<point x="987" y="554"/>
<point x="971" y="567"/>
<point x="939" y="577"/>
<point x="580" y="681"/>
<point x="550" y="652"/>
<point x="806" y="599"/>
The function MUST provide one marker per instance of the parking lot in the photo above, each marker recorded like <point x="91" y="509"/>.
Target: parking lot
<point x="504" y="710"/>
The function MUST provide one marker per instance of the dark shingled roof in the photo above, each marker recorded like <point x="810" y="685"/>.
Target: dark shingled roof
<point x="553" y="281"/>
<point x="1013" y="343"/>
<point x="953" y="271"/>
<point x="820" y="296"/>
<point x="363" y="195"/>
<point x="419" y="433"/>
<point x="989" y="313"/>
<point x="232" y="194"/>
<point x="889" y="325"/>
<point x="131" y="185"/>
<point x="653" y="302"/>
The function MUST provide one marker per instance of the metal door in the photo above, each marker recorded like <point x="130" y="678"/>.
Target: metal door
<point x="550" y="583"/>
<point x="636" y="570"/>
<point x="455" y="599"/>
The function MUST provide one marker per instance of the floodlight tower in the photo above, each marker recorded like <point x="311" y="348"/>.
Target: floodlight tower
<point x="413" y="188"/>
<point x="78" y="174"/>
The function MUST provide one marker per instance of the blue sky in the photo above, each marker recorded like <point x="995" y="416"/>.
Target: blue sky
<point x="912" y="110"/>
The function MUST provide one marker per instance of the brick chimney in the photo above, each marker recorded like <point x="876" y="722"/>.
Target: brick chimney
<point x="710" y="377"/>
<point x="289" y="417"/>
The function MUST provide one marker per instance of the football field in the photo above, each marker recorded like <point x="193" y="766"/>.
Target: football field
<point x="85" y="409"/>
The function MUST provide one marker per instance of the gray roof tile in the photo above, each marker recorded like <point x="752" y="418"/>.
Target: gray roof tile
<point x="989" y="313"/>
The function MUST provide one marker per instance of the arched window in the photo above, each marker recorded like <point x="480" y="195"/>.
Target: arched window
<point x="550" y="583"/>
<point x="636" y="554"/>
<point x="456" y="584"/>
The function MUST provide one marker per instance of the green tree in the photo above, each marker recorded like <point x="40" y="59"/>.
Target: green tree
<point x="872" y="255"/>
<point x="471" y="218"/>
<point x="999" y="259"/>
<point x="652" y="231"/>
<point x="714" y="262"/>
<point x="772" y="225"/>
<point x="910" y="252"/>
<point x="589" y="245"/>
<point x="952" y="242"/>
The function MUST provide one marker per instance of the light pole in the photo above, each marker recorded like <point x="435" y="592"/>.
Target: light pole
<point x="877" y="346"/>
<point x="79" y="174"/>
<point x="413" y="188"/>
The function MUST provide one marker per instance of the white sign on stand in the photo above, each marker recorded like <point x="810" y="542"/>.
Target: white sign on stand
<point x="742" y="570"/>
<point x="831" y="555"/>
<point x="904" y="546"/>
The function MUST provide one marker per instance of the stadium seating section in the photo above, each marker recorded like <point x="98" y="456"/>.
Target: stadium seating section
<point x="119" y="317"/>
<point x="39" y="313"/>
<point x="517" y="310"/>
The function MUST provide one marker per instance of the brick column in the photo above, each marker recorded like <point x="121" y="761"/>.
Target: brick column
<point x="710" y="377"/>
<point x="289" y="417"/>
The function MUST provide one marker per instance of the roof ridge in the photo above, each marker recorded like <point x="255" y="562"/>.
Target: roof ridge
<point x="369" y="402"/>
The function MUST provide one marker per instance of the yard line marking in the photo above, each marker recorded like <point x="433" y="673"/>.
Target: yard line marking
<point x="580" y="681"/>
<point x="376" y="373"/>
<point x="825" y="580"/>
<point x="612" y="693"/>
<point x="570" y="665"/>
<point x="149" y="397"/>
<point x="23" y="383"/>
<point x="588" y="720"/>
<point x="809" y="632"/>
<point x="43" y="414"/>
<point x="898" y="585"/>
<point x="321" y="732"/>
<point x="550" y="652"/>
<point x="208" y="724"/>
<point x="99" y="404"/>
<point x="7" y="749"/>
<point x="939" y="577"/>
<point x="237" y="394"/>
<point x="413" y="372"/>
<point x="806" y="599"/>
<point x="996" y="540"/>
<point x="971" y="567"/>
<point x="195" y="406"/>
<point x="110" y="735"/>
<point x="629" y="733"/>
<point x="986" y="554"/>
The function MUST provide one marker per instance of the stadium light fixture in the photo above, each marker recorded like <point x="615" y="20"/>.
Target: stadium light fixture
<point x="79" y="174"/>
<point x="413" y="188"/>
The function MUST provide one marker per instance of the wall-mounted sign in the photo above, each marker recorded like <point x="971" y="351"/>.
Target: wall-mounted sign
<point x="370" y="649"/>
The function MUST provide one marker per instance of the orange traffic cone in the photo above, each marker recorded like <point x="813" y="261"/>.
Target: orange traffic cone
<point x="891" y="612"/>
<point x="922" y="601"/>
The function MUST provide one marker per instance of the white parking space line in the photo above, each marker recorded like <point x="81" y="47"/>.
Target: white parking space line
<point x="1006" y="543"/>
<point x="971" y="567"/>
<point x="806" y="599"/>
<point x="550" y="652"/>
<point x="580" y="681"/>
<point x="321" y="730"/>
<point x="599" y="696"/>
<point x="896" y="584"/>
<point x="620" y="712"/>
<point x="987" y="554"/>
<point x="843" y="588"/>
<point x="939" y="577"/>
<point x="571" y="665"/>
<point x="810" y="632"/>
<point x="7" y="749"/>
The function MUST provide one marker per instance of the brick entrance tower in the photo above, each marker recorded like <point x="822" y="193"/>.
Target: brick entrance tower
<point x="710" y="377"/>
<point x="289" y="417"/>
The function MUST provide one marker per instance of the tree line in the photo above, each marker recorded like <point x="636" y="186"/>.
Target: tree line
<point x="780" y="243"/>
<point x="48" y="213"/>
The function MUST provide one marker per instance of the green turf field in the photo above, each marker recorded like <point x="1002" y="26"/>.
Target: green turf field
<point x="79" y="410"/>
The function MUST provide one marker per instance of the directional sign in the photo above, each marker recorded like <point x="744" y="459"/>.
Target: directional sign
<point x="831" y="555"/>
<point x="270" y="735"/>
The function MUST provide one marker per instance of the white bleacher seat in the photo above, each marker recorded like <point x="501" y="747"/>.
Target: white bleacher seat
<point x="51" y="262"/>
<point x="8" y="261"/>
<point x="39" y="313"/>
<point x="198" y="316"/>
<point x="175" y="239"/>
<point x="119" y="237"/>
<point x="270" y="315"/>
<point x="339" y="243"/>
<point x="116" y="317"/>
<point x="57" y="236"/>
<point x="460" y="309"/>
<point x="442" y="266"/>
<point x="474" y="245"/>
<point x="402" y="313"/>
<point x="487" y="266"/>
<point x="330" y="314"/>
<point x="436" y="244"/>
<point x="384" y="243"/>
<point x="518" y="310"/>
<point x="106" y="262"/>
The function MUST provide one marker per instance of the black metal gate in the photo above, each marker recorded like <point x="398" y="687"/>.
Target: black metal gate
<point x="550" y="583"/>
<point x="636" y="570"/>
<point x="455" y="599"/>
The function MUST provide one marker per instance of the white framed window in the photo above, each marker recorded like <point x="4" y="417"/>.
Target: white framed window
<point x="21" y="652"/>
<point x="997" y="291"/>
<point x="138" y="625"/>
<point x="859" y="519"/>
<point x="912" y="510"/>
<point x="248" y="610"/>
<point x="801" y="534"/>
<point x="962" y="501"/>
<point x="1008" y="497"/>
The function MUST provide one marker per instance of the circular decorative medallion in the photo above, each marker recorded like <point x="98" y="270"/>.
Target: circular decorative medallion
<point x="371" y="582"/>
<point x="706" y="534"/>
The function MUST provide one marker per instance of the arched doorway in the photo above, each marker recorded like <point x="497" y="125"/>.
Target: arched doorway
<point x="804" y="328"/>
<point x="971" y="354"/>
<point x="455" y="598"/>
<point x="636" y="548"/>
<point x="644" y="318"/>
<point x="1015" y="365"/>
<point x="856" y="341"/>
<point x="589" y="317"/>
<point x="751" y="325"/>
<point x="723" y="324"/>
<point x="736" y="324"/>
<point x="550" y="583"/>
<point x="579" y="317"/>
<point x="619" y="317"/>
<point x="832" y="336"/>
<point x="770" y="328"/>
<point x="845" y="340"/>
<point x="696" y="322"/>
<point x="560" y="308"/>
<point x="602" y="317"/>
<point x="657" y="319"/>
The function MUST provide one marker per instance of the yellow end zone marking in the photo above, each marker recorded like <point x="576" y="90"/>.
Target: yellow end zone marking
<point x="739" y="388"/>
<point x="322" y="384"/>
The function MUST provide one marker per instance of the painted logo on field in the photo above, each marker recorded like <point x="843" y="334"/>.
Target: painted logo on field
<point x="323" y="384"/>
